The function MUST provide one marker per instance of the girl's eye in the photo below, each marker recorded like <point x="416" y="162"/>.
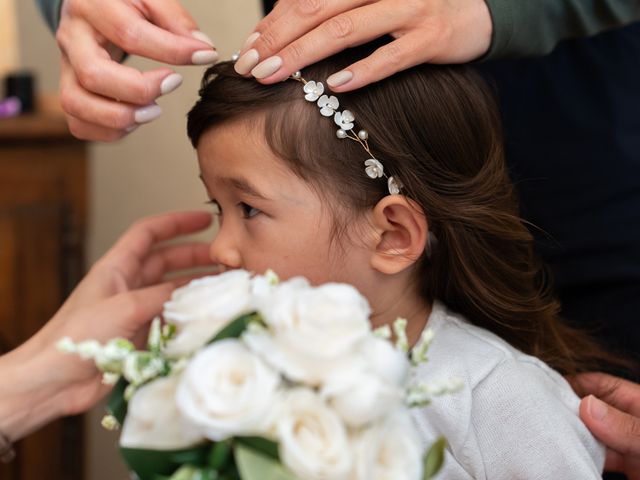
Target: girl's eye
<point x="248" y="211"/>
<point x="217" y="209"/>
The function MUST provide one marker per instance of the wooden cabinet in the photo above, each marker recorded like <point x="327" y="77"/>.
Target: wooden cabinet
<point x="43" y="184"/>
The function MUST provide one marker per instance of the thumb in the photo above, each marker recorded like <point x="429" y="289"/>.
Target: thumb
<point x="172" y="16"/>
<point x="617" y="430"/>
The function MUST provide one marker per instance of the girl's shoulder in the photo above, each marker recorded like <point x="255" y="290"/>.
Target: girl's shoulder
<point x="515" y="417"/>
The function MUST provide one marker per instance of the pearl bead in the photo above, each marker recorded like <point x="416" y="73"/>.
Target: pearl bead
<point x="296" y="75"/>
<point x="341" y="133"/>
<point x="235" y="57"/>
<point x="363" y="134"/>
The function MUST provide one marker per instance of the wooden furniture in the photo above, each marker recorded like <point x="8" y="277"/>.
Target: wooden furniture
<point x="42" y="223"/>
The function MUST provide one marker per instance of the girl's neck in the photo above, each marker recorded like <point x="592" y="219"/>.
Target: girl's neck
<point x="391" y="303"/>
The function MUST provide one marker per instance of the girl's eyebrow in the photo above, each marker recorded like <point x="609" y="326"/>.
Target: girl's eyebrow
<point x="239" y="183"/>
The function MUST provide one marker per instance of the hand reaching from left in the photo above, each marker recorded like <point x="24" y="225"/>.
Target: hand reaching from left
<point x="119" y="296"/>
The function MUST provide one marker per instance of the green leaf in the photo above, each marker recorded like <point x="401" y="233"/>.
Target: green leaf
<point x="149" y="464"/>
<point x="434" y="458"/>
<point x="260" y="444"/>
<point x="236" y="327"/>
<point x="256" y="466"/>
<point x="220" y="454"/>
<point x="117" y="405"/>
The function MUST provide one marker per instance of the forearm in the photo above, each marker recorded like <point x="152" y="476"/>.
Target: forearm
<point x="29" y="398"/>
<point x="50" y="10"/>
<point x="525" y="28"/>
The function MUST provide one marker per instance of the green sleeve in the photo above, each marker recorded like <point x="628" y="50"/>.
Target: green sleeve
<point x="50" y="10"/>
<point x="534" y="27"/>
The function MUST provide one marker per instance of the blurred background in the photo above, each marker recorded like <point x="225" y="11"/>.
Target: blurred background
<point x="109" y="186"/>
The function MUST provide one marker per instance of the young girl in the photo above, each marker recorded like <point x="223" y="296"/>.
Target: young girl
<point x="411" y="203"/>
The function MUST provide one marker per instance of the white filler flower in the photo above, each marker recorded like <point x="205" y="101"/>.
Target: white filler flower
<point x="313" y="440"/>
<point x="202" y="308"/>
<point x="390" y="450"/>
<point x="227" y="391"/>
<point x="153" y="420"/>
<point x="311" y="330"/>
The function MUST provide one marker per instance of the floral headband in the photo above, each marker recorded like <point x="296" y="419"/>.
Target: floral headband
<point x="314" y="92"/>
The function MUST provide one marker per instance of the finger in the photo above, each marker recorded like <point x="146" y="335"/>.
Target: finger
<point x="287" y="31"/>
<point x="96" y="72"/>
<point x="172" y="16"/>
<point x="88" y="131"/>
<point x="620" y="393"/>
<point x="618" y="430"/>
<point x="169" y="259"/>
<point x="337" y="33"/>
<point x="92" y="108"/>
<point x="400" y="54"/>
<point x="127" y="28"/>
<point x="144" y="234"/>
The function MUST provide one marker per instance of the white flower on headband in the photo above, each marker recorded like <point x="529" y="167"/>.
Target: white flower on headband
<point x="328" y="105"/>
<point x="394" y="186"/>
<point x="374" y="168"/>
<point x="313" y="90"/>
<point x="344" y="120"/>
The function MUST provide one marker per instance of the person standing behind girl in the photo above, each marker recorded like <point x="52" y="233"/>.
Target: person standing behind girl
<point x="427" y="229"/>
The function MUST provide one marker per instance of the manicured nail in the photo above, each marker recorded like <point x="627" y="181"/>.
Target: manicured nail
<point x="170" y="83"/>
<point x="247" y="61"/>
<point x="203" y="37"/>
<point x="597" y="408"/>
<point x="267" y="68"/>
<point x="204" y="57"/>
<point x="339" y="78"/>
<point x="148" y="113"/>
<point x="251" y="39"/>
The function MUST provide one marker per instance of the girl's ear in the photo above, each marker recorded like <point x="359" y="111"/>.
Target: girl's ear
<point x="402" y="233"/>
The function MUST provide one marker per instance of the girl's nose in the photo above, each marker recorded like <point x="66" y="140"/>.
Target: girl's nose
<point x="223" y="252"/>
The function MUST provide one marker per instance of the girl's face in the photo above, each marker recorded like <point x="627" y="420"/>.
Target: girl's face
<point x="269" y="217"/>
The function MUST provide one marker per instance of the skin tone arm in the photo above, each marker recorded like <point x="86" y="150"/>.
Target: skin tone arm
<point x="611" y="410"/>
<point x="300" y="32"/>
<point x="103" y="99"/>
<point x="118" y="297"/>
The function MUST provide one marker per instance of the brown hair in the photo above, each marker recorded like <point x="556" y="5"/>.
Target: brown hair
<point x="437" y="129"/>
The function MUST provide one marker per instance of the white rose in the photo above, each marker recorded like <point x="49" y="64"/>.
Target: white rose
<point x="202" y="308"/>
<point x="153" y="420"/>
<point x="313" y="442"/>
<point x="226" y="390"/>
<point x="389" y="450"/>
<point x="313" y="330"/>
<point x="369" y="386"/>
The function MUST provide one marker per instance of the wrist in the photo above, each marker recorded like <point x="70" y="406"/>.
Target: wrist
<point x="29" y="398"/>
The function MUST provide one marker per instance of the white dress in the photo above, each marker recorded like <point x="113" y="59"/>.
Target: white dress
<point x="515" y="418"/>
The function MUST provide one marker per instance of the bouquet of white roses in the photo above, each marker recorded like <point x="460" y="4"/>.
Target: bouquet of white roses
<point x="249" y="378"/>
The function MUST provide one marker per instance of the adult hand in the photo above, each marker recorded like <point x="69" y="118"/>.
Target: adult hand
<point x="102" y="99"/>
<point x="613" y="417"/>
<point x="119" y="296"/>
<point x="298" y="33"/>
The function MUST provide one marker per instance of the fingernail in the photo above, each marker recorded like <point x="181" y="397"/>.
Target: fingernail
<point x="170" y="83"/>
<point x="267" y="68"/>
<point x="339" y="78"/>
<point x="597" y="408"/>
<point x="203" y="37"/>
<point x="204" y="57"/>
<point x="131" y="128"/>
<point x="148" y="113"/>
<point x="247" y="61"/>
<point x="251" y="39"/>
